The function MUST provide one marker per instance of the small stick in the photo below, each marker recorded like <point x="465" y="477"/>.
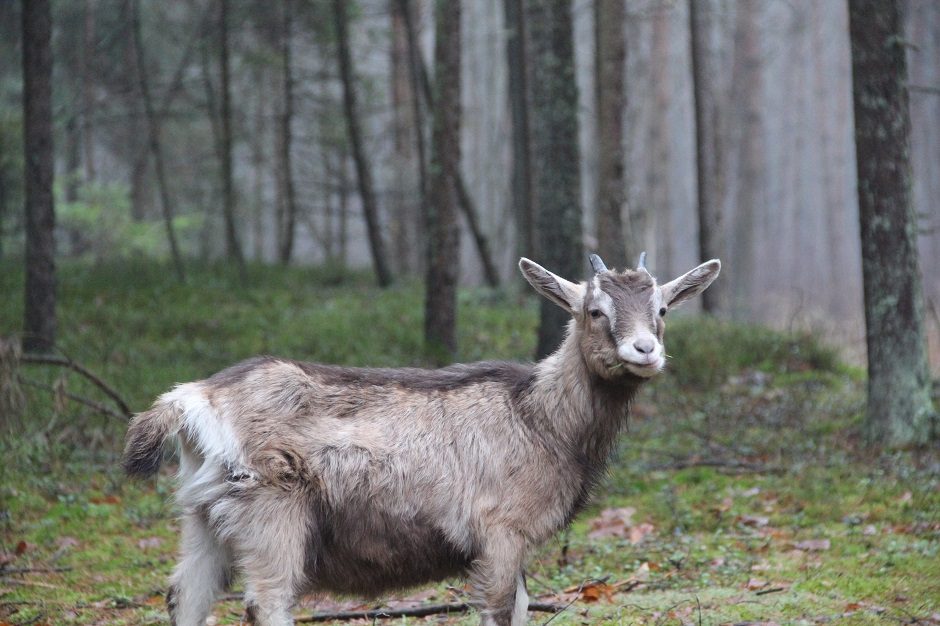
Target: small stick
<point x="49" y="359"/>
<point x="419" y="611"/>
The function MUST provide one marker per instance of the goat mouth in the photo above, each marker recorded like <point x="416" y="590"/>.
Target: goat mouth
<point x="644" y="370"/>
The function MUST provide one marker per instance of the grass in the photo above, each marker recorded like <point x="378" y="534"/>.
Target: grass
<point x="753" y="500"/>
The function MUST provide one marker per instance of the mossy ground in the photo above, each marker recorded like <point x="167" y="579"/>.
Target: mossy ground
<point x="753" y="499"/>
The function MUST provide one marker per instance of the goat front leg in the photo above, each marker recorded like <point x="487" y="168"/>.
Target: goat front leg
<point x="498" y="582"/>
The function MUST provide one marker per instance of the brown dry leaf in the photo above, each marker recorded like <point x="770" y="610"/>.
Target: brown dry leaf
<point x="149" y="542"/>
<point x="613" y="522"/>
<point x="109" y="499"/>
<point x="753" y="584"/>
<point x="813" y="545"/>
<point x="756" y="521"/>
<point x="21" y="547"/>
<point x="593" y="592"/>
<point x="638" y="533"/>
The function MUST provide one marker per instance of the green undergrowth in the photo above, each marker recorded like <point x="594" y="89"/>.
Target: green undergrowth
<point x="739" y="493"/>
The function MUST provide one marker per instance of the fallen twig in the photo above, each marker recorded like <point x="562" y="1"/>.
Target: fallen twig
<point x="418" y="611"/>
<point x="764" y="592"/>
<point x="32" y="570"/>
<point x="97" y="406"/>
<point x="50" y="359"/>
<point x="737" y="466"/>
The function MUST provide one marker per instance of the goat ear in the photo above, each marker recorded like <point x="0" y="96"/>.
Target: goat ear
<point x="564" y="293"/>
<point x="691" y="283"/>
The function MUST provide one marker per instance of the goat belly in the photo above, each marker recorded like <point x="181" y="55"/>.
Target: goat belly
<point x="366" y="552"/>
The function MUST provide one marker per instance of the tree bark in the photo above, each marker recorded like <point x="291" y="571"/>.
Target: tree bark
<point x="233" y="249"/>
<point x="39" y="327"/>
<point x="440" y="310"/>
<point x="517" y="60"/>
<point x="290" y="199"/>
<point x="709" y="146"/>
<point x="406" y="199"/>
<point x="464" y="200"/>
<point x="153" y="134"/>
<point x="556" y="181"/>
<point x="610" y="67"/>
<point x="88" y="84"/>
<point x="363" y="170"/>
<point x="418" y="82"/>
<point x="899" y="410"/>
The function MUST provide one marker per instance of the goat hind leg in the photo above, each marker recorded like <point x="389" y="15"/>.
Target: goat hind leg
<point x="202" y="573"/>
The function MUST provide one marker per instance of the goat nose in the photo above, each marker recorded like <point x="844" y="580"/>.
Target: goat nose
<point x="644" y="346"/>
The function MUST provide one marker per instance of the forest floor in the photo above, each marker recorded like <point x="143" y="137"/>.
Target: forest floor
<point x="740" y="494"/>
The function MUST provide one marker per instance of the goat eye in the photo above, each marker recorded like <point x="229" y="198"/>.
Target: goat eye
<point x="595" y="313"/>
<point x="662" y="312"/>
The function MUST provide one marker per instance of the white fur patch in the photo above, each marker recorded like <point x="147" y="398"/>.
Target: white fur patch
<point x="212" y="436"/>
<point x="604" y="302"/>
<point x="520" y="611"/>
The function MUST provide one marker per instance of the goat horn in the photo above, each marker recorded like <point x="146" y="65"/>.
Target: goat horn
<point x="597" y="265"/>
<point x="642" y="263"/>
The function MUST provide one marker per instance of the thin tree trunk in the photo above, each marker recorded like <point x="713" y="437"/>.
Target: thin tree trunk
<point x="465" y="202"/>
<point x="417" y="82"/>
<point x="610" y="67"/>
<point x="290" y="200"/>
<point x="153" y="133"/>
<point x="73" y="157"/>
<point x="519" y="109"/>
<point x="747" y="86"/>
<point x="257" y="166"/>
<point x="709" y="146"/>
<point x="440" y="310"/>
<point x="233" y="249"/>
<point x="39" y="320"/>
<point x="899" y="411"/>
<point x="363" y="170"/>
<point x="407" y="197"/>
<point x="557" y="183"/>
<point x="88" y="105"/>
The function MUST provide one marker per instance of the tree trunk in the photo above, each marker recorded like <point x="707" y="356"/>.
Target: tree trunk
<point x="709" y="147"/>
<point x="465" y="202"/>
<point x="899" y="407"/>
<point x="610" y="67"/>
<point x="417" y="81"/>
<point x="556" y="181"/>
<point x="440" y="309"/>
<point x="39" y="323"/>
<point x="519" y="110"/>
<point x="363" y="170"/>
<point x="405" y="196"/>
<point x="88" y="83"/>
<point x="233" y="249"/>
<point x="153" y="133"/>
<point x="290" y="199"/>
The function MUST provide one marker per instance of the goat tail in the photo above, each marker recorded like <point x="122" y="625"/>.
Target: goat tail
<point x="143" y="450"/>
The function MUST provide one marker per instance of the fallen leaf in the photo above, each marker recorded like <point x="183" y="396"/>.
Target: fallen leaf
<point x="21" y="547"/>
<point x="638" y="533"/>
<point x="109" y="499"/>
<point x="149" y="542"/>
<point x="614" y="522"/>
<point x="756" y="521"/>
<point x="755" y="583"/>
<point x="66" y="541"/>
<point x="813" y="545"/>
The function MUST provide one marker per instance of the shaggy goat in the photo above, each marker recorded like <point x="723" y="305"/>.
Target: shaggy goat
<point x="306" y="477"/>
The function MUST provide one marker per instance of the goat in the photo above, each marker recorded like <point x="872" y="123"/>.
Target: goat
<point x="305" y="477"/>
